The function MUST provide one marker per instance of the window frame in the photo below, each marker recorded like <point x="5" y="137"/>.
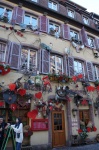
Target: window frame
<point x="59" y="56"/>
<point x="96" y="74"/>
<point x="54" y="24"/>
<point x="92" y="41"/>
<point x="82" y="64"/>
<point x="28" y="56"/>
<point x="30" y="19"/>
<point x="5" y="9"/>
<point x="87" y="19"/>
<point x="77" y="33"/>
<point x="53" y="2"/>
<point x="4" y="43"/>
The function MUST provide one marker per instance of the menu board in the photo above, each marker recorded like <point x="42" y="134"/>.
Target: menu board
<point x="39" y="124"/>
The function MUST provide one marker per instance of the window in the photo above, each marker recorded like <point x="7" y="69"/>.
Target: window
<point x="31" y="20"/>
<point x="52" y="5"/>
<point x="56" y="64"/>
<point x="54" y="29"/>
<point x="5" y="12"/>
<point x="34" y="1"/>
<point x="78" y="67"/>
<point x="84" y="118"/>
<point x="91" y="42"/>
<point x="74" y="34"/>
<point x="96" y="72"/>
<point x="85" y="20"/>
<point x="28" y="58"/>
<point x="70" y="13"/>
<point x="2" y="52"/>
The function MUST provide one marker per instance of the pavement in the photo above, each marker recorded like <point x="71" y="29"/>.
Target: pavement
<point x="84" y="147"/>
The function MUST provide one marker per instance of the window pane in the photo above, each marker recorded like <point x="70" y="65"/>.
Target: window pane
<point x="34" y="0"/>
<point x="27" y="20"/>
<point x="2" y="52"/>
<point x="9" y="14"/>
<point x="52" y="64"/>
<point x="59" y="65"/>
<point x="50" y="4"/>
<point x="1" y="11"/>
<point x="34" y="22"/>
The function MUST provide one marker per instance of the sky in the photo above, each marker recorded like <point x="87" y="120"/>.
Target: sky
<point x="91" y="5"/>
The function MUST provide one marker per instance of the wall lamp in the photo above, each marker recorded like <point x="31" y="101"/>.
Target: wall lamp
<point x="74" y="112"/>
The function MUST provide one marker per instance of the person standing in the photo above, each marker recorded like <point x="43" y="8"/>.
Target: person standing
<point x="3" y="126"/>
<point x="18" y="129"/>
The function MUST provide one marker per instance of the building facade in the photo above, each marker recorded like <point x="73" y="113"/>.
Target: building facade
<point x="49" y="73"/>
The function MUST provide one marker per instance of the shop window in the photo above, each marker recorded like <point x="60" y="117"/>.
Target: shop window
<point x="91" y="42"/>
<point x="85" y="20"/>
<point x="31" y="20"/>
<point x="74" y="34"/>
<point x="54" y="29"/>
<point x="96" y="72"/>
<point x="2" y="52"/>
<point x="84" y="118"/>
<point x="5" y="12"/>
<point x="78" y="67"/>
<point x="70" y="13"/>
<point x="52" y="5"/>
<point x="56" y="64"/>
<point x="28" y="59"/>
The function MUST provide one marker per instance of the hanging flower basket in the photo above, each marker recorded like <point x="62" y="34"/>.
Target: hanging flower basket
<point x="4" y="69"/>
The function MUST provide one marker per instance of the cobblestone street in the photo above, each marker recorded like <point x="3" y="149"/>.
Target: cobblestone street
<point x="85" y="147"/>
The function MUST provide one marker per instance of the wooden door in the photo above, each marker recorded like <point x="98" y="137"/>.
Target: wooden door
<point x="58" y="129"/>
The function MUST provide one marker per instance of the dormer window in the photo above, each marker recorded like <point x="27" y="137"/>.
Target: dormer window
<point x="52" y="5"/>
<point x="70" y="13"/>
<point x="85" y="20"/>
<point x="91" y="42"/>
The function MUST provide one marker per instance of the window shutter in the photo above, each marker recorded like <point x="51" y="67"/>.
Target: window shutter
<point x="18" y="15"/>
<point x="39" y="61"/>
<point x="8" y="48"/>
<point x="91" y="114"/>
<point x="97" y="44"/>
<point x="65" y="64"/>
<point x="43" y="24"/>
<point x="78" y="17"/>
<point x="90" y="71"/>
<point x="66" y="32"/>
<point x="92" y="24"/>
<point x="62" y="10"/>
<point x="71" y="66"/>
<point x="15" y="55"/>
<point x="84" y="37"/>
<point x="45" y="61"/>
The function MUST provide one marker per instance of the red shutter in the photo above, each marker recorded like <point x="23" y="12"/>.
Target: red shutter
<point x="15" y="55"/>
<point x="84" y="37"/>
<point x="43" y="24"/>
<point x="90" y="71"/>
<point x="71" y="66"/>
<point x="65" y="64"/>
<point x="45" y="61"/>
<point x="18" y="15"/>
<point x="97" y="43"/>
<point x="66" y="32"/>
<point x="78" y="17"/>
<point x="39" y="65"/>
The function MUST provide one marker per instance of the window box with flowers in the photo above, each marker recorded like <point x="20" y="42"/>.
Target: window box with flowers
<point x="4" y="68"/>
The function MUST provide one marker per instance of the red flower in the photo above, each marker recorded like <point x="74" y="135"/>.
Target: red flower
<point x="79" y="131"/>
<point x="12" y="86"/>
<point x="74" y="78"/>
<point x="94" y="129"/>
<point x="88" y="129"/>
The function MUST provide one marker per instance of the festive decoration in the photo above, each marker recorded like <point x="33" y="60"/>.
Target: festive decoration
<point x="84" y="102"/>
<point x="22" y="92"/>
<point x="79" y="131"/>
<point x="4" y="68"/>
<point x="88" y="129"/>
<point x="90" y="88"/>
<point x="38" y="95"/>
<point x="12" y="28"/>
<point x="9" y="96"/>
<point x="75" y="78"/>
<point x="59" y="78"/>
<point x="46" y="83"/>
<point x="1" y="104"/>
<point x="94" y="128"/>
<point x="12" y="86"/>
<point x="13" y="107"/>
<point x="32" y="114"/>
<point x="27" y="131"/>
